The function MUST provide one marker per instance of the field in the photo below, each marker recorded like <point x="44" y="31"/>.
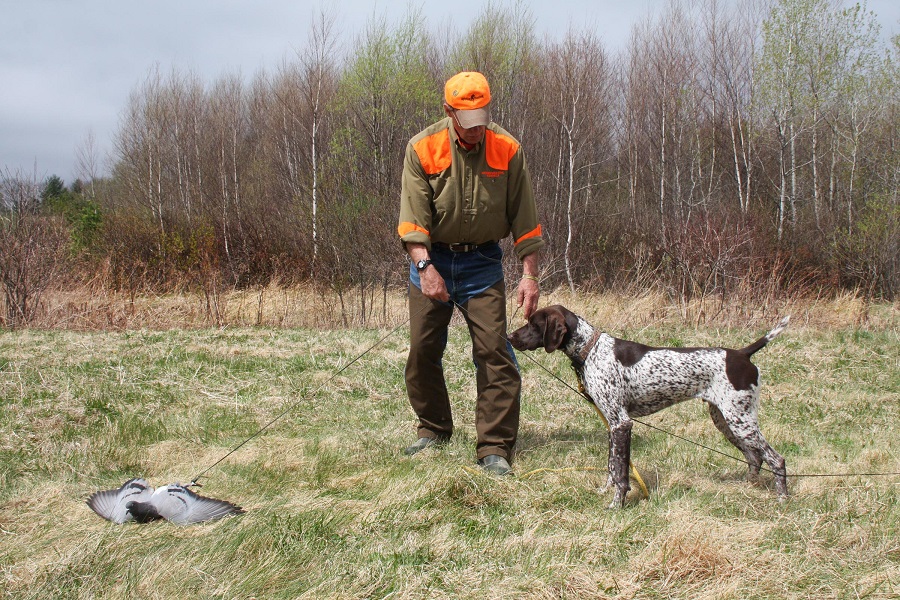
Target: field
<point x="335" y="511"/>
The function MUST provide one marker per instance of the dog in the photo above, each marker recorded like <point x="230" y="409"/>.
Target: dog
<point x="627" y="379"/>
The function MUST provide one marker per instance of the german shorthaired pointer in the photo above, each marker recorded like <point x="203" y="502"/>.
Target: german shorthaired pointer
<point x="626" y="379"/>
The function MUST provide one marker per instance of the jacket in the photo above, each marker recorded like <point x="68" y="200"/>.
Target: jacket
<point x="452" y="196"/>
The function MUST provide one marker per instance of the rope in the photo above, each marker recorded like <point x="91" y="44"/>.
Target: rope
<point x="294" y="404"/>
<point x="635" y="474"/>
<point x="763" y="467"/>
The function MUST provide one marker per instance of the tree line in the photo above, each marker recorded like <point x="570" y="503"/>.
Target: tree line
<point x="741" y="149"/>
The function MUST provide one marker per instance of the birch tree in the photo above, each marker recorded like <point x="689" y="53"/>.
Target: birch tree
<point x="795" y="68"/>
<point x="579" y="83"/>
<point x="304" y="90"/>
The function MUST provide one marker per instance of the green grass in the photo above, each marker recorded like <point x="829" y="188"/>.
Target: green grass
<point x="334" y="510"/>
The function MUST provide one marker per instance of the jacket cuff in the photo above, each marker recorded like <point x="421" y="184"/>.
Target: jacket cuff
<point x="529" y="246"/>
<point x="417" y="237"/>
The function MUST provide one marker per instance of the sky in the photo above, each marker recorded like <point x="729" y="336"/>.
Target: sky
<point x="67" y="67"/>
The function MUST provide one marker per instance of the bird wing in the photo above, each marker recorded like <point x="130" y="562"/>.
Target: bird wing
<point x="110" y="504"/>
<point x="178" y="504"/>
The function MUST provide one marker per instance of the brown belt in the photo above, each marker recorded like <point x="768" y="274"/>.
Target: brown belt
<point x="462" y="247"/>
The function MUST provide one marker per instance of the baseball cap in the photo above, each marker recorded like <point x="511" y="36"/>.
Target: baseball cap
<point x="469" y="94"/>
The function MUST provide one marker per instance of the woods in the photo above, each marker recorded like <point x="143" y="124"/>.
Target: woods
<point x="729" y="149"/>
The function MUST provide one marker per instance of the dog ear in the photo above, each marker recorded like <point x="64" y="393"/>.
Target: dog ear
<point x="554" y="330"/>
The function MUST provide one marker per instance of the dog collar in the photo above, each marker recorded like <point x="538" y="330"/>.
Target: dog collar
<point x="583" y="355"/>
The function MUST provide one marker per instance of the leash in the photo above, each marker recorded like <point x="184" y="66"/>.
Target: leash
<point x="195" y="482"/>
<point x="293" y="405"/>
<point x="763" y="468"/>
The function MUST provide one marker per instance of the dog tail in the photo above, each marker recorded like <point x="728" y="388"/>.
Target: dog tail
<point x="761" y="342"/>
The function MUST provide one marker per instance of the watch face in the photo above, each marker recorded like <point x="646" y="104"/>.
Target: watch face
<point x="420" y="266"/>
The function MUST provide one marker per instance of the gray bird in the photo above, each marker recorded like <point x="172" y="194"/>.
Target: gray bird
<point x="137" y="501"/>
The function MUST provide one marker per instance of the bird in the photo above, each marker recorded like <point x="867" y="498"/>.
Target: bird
<point x="138" y="501"/>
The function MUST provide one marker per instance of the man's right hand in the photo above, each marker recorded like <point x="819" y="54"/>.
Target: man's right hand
<point x="433" y="285"/>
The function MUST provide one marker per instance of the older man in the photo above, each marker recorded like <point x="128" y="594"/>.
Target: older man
<point x="465" y="187"/>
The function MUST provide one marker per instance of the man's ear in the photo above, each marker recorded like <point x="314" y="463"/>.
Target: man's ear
<point x="554" y="330"/>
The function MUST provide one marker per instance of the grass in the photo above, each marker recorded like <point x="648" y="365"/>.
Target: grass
<point x="334" y="511"/>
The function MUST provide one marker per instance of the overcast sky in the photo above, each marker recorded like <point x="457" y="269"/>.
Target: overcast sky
<point x="68" y="66"/>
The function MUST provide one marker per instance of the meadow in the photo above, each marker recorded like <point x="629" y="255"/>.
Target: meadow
<point x="335" y="511"/>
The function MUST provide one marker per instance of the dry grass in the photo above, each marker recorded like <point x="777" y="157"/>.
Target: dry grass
<point x="335" y="512"/>
<point x="308" y="307"/>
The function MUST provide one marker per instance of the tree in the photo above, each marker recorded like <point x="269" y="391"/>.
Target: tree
<point x="80" y="213"/>
<point x="34" y="247"/>
<point x="790" y="74"/>
<point x="304" y="90"/>
<point x="87" y="162"/>
<point x="579" y="77"/>
<point x="383" y="96"/>
<point x="861" y="89"/>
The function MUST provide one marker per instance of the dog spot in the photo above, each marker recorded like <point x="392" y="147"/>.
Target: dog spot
<point x="740" y="371"/>
<point x="629" y="353"/>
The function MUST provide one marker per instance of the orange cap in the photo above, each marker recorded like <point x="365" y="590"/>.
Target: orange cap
<point x="468" y="92"/>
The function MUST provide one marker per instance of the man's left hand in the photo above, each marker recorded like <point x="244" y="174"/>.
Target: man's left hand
<point x="529" y="292"/>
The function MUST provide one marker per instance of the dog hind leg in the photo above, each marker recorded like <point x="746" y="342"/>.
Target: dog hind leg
<point x="754" y="459"/>
<point x="775" y="462"/>
<point x="747" y="437"/>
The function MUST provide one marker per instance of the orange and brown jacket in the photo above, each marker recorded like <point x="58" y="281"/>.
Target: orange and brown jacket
<point x="452" y="196"/>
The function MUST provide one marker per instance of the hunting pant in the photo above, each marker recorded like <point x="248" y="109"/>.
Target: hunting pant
<point x="497" y="375"/>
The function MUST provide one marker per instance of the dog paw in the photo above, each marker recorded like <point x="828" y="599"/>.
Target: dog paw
<point x="618" y="500"/>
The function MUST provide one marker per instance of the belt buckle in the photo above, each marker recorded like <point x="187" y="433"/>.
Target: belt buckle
<point x="462" y="247"/>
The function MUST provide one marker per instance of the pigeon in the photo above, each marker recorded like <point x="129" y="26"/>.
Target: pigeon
<point x="137" y="501"/>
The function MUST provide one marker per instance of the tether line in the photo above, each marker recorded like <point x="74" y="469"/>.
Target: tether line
<point x="294" y="404"/>
<point x="636" y="475"/>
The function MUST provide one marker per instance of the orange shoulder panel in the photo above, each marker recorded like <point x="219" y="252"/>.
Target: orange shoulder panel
<point x="499" y="150"/>
<point x="434" y="152"/>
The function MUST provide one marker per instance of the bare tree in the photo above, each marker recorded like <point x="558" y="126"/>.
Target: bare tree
<point x="303" y="91"/>
<point x="579" y="76"/>
<point x="33" y="248"/>
<point x="87" y="162"/>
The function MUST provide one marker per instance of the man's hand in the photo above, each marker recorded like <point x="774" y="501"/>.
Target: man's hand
<point x="529" y="292"/>
<point x="529" y="288"/>
<point x="432" y="283"/>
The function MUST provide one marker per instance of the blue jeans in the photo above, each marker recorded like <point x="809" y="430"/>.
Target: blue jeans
<point x="466" y="274"/>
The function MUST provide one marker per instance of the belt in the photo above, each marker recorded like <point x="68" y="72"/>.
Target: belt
<point x="463" y="246"/>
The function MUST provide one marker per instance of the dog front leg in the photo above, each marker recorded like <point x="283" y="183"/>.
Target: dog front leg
<point x="619" y="459"/>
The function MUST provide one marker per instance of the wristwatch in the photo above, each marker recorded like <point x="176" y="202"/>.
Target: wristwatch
<point x="423" y="264"/>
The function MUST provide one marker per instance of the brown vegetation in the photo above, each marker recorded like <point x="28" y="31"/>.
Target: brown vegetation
<point x="723" y="155"/>
<point x="274" y="305"/>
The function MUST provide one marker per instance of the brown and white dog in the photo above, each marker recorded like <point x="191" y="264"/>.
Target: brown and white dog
<point x="626" y="379"/>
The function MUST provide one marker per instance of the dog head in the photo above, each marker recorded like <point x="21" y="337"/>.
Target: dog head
<point x="549" y="327"/>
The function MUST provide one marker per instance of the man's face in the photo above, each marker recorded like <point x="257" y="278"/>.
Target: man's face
<point x="472" y="135"/>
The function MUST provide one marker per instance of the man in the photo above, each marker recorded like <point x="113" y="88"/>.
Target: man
<point x="465" y="187"/>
